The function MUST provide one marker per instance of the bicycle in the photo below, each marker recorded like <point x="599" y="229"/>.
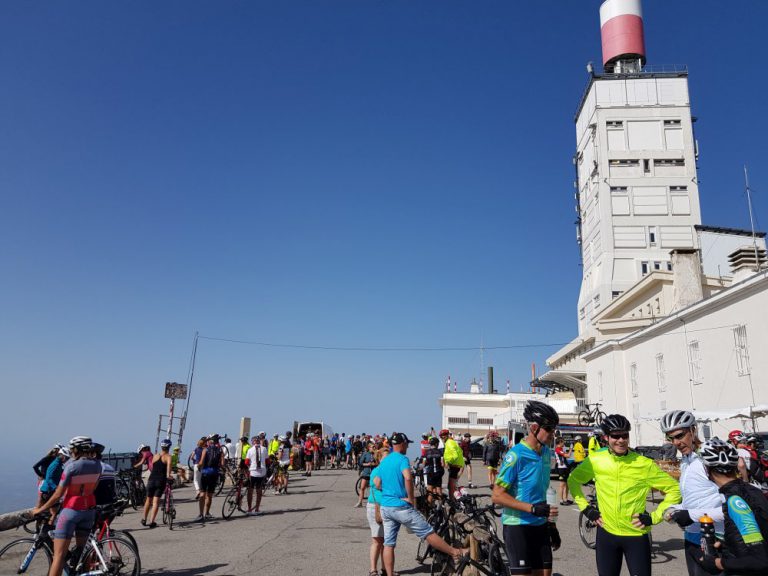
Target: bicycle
<point x="591" y="416"/>
<point x="588" y="528"/>
<point x="130" y="486"/>
<point x="110" y="556"/>
<point x="169" y="508"/>
<point x="234" y="499"/>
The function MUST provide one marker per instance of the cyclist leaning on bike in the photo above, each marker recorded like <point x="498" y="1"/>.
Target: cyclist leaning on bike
<point x="700" y="495"/>
<point x="623" y="479"/>
<point x="77" y="487"/>
<point x="160" y="474"/>
<point x="521" y="487"/>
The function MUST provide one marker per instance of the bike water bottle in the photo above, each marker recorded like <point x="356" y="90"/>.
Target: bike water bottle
<point x="552" y="501"/>
<point x="708" y="537"/>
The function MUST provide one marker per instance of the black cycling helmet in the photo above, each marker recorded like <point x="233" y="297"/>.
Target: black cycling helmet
<point x="434" y="442"/>
<point x="540" y="413"/>
<point x="615" y="423"/>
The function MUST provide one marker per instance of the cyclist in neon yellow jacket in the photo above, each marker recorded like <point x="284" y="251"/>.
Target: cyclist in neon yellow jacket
<point x="454" y="459"/>
<point x="623" y="479"/>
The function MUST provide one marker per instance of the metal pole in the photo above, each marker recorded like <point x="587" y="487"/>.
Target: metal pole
<point x="189" y="389"/>
<point x="170" y="419"/>
<point x="751" y="219"/>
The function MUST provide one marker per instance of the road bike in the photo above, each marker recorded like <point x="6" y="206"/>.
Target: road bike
<point x="130" y="487"/>
<point x="591" y="416"/>
<point x="235" y="498"/>
<point x="108" y="556"/>
<point x="169" y="508"/>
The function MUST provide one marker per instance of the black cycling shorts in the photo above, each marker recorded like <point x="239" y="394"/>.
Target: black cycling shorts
<point x="435" y="480"/>
<point x="208" y="483"/>
<point x="528" y="548"/>
<point x="155" y="488"/>
<point x="562" y="473"/>
<point x="257" y="482"/>
<point x="611" y="549"/>
<point x="453" y="472"/>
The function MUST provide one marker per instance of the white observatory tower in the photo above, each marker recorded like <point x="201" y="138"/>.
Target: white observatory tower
<point x="637" y="191"/>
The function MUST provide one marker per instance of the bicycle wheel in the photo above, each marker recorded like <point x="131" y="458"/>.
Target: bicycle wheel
<point x="599" y="417"/>
<point x="120" y="557"/>
<point x="220" y="483"/>
<point x="495" y="559"/>
<point x="442" y="565"/>
<point x="171" y="512"/>
<point x="122" y="489"/>
<point x="125" y="535"/>
<point x="587" y="531"/>
<point x="232" y="502"/>
<point x="357" y="485"/>
<point x="585" y="418"/>
<point x="14" y="556"/>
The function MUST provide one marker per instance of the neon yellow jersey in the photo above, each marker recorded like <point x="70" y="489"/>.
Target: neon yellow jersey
<point x="622" y="484"/>
<point x="453" y="454"/>
<point x="579" y="453"/>
<point x="593" y="444"/>
<point x="274" y="446"/>
<point x="244" y="451"/>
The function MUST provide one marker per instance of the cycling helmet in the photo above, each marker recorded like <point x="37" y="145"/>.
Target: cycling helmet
<point x="615" y="423"/>
<point x="577" y="438"/>
<point x="142" y="447"/>
<point x="444" y="432"/>
<point x="64" y="451"/>
<point x="735" y="434"/>
<point x="244" y="439"/>
<point x="754" y="439"/>
<point x="424" y="436"/>
<point x="677" y="419"/>
<point x="81" y="443"/>
<point x="166" y="443"/>
<point x="59" y="447"/>
<point x="434" y="442"/>
<point x="281" y="438"/>
<point x="719" y="455"/>
<point x="98" y="448"/>
<point x="540" y="413"/>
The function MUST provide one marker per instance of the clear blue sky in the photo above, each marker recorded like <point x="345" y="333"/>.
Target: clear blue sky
<point x="341" y="173"/>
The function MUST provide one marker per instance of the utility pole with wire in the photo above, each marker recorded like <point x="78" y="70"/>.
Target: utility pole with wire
<point x="751" y="217"/>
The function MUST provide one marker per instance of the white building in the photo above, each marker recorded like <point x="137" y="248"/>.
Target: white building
<point x="669" y="310"/>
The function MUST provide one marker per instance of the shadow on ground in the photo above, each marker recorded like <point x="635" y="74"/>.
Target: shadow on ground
<point x="197" y="571"/>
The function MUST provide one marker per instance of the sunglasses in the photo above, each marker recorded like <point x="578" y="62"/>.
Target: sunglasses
<point x="620" y="436"/>
<point x="678" y="436"/>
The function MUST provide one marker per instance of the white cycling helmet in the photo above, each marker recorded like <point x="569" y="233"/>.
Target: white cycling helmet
<point x="81" y="443"/>
<point x="677" y="419"/>
<point x="141" y="447"/>
<point x="281" y="438"/>
<point x="64" y="451"/>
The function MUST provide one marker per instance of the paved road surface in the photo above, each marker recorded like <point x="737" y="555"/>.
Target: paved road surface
<point x="315" y="530"/>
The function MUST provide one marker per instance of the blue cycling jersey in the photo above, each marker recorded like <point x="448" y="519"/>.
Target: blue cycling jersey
<point x="525" y="476"/>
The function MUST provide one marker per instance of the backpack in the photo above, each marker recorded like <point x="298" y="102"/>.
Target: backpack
<point x="212" y="457"/>
<point x="757" y="469"/>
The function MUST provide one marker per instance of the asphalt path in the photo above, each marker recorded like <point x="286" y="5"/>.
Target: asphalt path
<point x="316" y="530"/>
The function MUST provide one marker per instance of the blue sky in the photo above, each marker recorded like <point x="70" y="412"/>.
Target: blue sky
<point x="349" y="173"/>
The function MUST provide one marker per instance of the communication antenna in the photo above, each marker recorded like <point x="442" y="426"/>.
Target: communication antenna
<point x="751" y="218"/>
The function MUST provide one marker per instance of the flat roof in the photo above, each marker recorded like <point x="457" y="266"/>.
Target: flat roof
<point x="725" y="230"/>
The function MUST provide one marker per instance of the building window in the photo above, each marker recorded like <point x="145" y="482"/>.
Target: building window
<point x="618" y="189"/>
<point x="615" y="123"/>
<point x="625" y="163"/>
<point x="582" y="314"/>
<point x="678" y="188"/>
<point x="742" y="351"/>
<point x="472" y="418"/>
<point x="596" y="302"/>
<point x="633" y="378"/>
<point x="600" y="385"/>
<point x="647" y="166"/>
<point x="671" y="122"/>
<point x="652" y="235"/>
<point x="485" y="421"/>
<point x="644" y="268"/>
<point x="694" y="362"/>
<point x="615" y="294"/>
<point x="660" y="373"/>
<point x="669" y="162"/>
<point x="656" y="265"/>
<point x="669" y="266"/>
<point x="457" y="420"/>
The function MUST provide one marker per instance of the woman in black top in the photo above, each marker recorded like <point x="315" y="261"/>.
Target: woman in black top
<point x="158" y="476"/>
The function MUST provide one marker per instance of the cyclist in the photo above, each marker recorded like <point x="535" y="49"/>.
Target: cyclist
<point x="41" y="467"/>
<point x="377" y="529"/>
<point x="424" y="444"/>
<point x="51" y="481"/>
<point x="594" y="443"/>
<point x="211" y="461"/>
<point x="257" y="466"/>
<point x="145" y="457"/>
<point x="466" y="452"/>
<point x="579" y="454"/>
<point x="700" y="495"/>
<point x="365" y="463"/>
<point x="77" y="486"/>
<point x="562" y="470"/>
<point x="453" y="458"/>
<point x="283" y="461"/>
<point x="623" y="478"/>
<point x="175" y="464"/>
<point x="434" y="468"/>
<point x="492" y="455"/>
<point x="745" y="511"/>
<point x="196" y="455"/>
<point x="161" y="473"/>
<point x="521" y="487"/>
<point x="736" y="438"/>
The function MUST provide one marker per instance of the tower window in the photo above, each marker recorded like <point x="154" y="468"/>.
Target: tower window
<point x="652" y="235"/>
<point x="644" y="268"/>
<point x="671" y="122"/>
<point x="670" y="162"/>
<point x="615" y="123"/>
<point x="647" y="166"/>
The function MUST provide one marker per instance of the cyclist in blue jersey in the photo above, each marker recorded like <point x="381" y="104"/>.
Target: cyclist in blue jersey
<point x="745" y="546"/>
<point x="521" y="487"/>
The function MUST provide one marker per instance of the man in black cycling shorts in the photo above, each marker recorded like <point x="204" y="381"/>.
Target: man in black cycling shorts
<point x="530" y="534"/>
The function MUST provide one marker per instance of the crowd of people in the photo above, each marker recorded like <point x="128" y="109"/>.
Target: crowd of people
<point x="719" y="480"/>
